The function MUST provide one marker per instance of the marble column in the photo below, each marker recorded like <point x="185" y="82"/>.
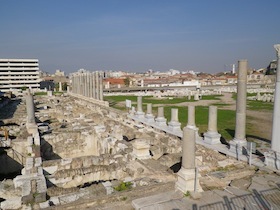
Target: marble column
<point x="30" y="108"/>
<point x="97" y="85"/>
<point x="196" y="97"/>
<point x="139" y="113"/>
<point x="93" y="86"/>
<point x="60" y="87"/>
<point x="272" y="157"/>
<point x="174" y="123"/>
<point x="73" y="83"/>
<point x="160" y="120"/>
<point x="149" y="115"/>
<point x="191" y="121"/>
<point x="191" y="117"/>
<point x="186" y="175"/>
<point x="239" y="141"/>
<point x="212" y="136"/>
<point x="90" y="85"/>
<point x="85" y="84"/>
<point x="101" y="86"/>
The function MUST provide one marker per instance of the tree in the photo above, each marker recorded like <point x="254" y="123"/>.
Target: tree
<point x="126" y="82"/>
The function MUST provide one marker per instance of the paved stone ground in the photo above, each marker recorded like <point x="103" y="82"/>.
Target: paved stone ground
<point x="263" y="193"/>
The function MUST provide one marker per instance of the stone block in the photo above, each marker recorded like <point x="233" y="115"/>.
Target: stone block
<point x="186" y="181"/>
<point x="12" y="203"/>
<point x="157" y="152"/>
<point x="38" y="161"/>
<point x="141" y="149"/>
<point x="51" y="169"/>
<point x="29" y="141"/>
<point x="44" y="205"/>
<point x="272" y="159"/>
<point x="212" y="138"/>
<point x="174" y="126"/>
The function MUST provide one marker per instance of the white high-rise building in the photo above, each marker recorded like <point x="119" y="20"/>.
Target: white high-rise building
<point x="19" y="73"/>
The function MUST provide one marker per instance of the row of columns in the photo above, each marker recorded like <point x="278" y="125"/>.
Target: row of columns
<point x="211" y="136"/>
<point x="89" y="84"/>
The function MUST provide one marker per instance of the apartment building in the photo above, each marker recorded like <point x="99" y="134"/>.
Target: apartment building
<point x="18" y="74"/>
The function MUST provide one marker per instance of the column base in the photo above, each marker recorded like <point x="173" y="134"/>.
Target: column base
<point x="186" y="181"/>
<point x="149" y="118"/>
<point x="160" y="121"/>
<point x="237" y="146"/>
<point x="272" y="159"/>
<point x="139" y="114"/>
<point x="174" y="126"/>
<point x="141" y="149"/>
<point x="212" y="137"/>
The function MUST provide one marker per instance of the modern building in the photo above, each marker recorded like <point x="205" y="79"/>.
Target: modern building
<point x="19" y="74"/>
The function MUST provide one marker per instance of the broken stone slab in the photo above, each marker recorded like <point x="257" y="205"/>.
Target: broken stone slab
<point x="12" y="203"/>
<point x="108" y="186"/>
<point x="146" y="202"/>
<point x="242" y="184"/>
<point x="226" y="162"/>
<point x="157" y="152"/>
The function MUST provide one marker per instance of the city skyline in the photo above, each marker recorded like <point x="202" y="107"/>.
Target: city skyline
<point x="136" y="36"/>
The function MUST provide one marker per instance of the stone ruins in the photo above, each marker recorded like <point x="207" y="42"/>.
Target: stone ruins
<point x="74" y="151"/>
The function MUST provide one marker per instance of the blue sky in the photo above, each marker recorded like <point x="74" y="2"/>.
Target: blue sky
<point x="137" y="35"/>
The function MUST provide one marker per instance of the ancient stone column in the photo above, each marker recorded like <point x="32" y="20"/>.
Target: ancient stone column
<point x="186" y="175"/>
<point x="191" y="121"/>
<point x="174" y="124"/>
<point x="196" y="97"/>
<point x="139" y="113"/>
<point x="212" y="136"/>
<point x="239" y="140"/>
<point x="90" y="85"/>
<point x="97" y="85"/>
<point x="160" y="120"/>
<point x="149" y="115"/>
<point x="85" y="84"/>
<point x="73" y="83"/>
<point x="80" y="84"/>
<point x="272" y="157"/>
<point x="93" y="86"/>
<point x="60" y="87"/>
<point x="275" y="142"/>
<point x="30" y="108"/>
<point x="191" y="117"/>
<point x="101" y="87"/>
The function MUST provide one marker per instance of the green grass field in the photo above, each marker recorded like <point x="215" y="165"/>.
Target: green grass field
<point x="165" y="100"/>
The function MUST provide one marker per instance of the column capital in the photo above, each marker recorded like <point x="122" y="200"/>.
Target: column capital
<point x="277" y="48"/>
